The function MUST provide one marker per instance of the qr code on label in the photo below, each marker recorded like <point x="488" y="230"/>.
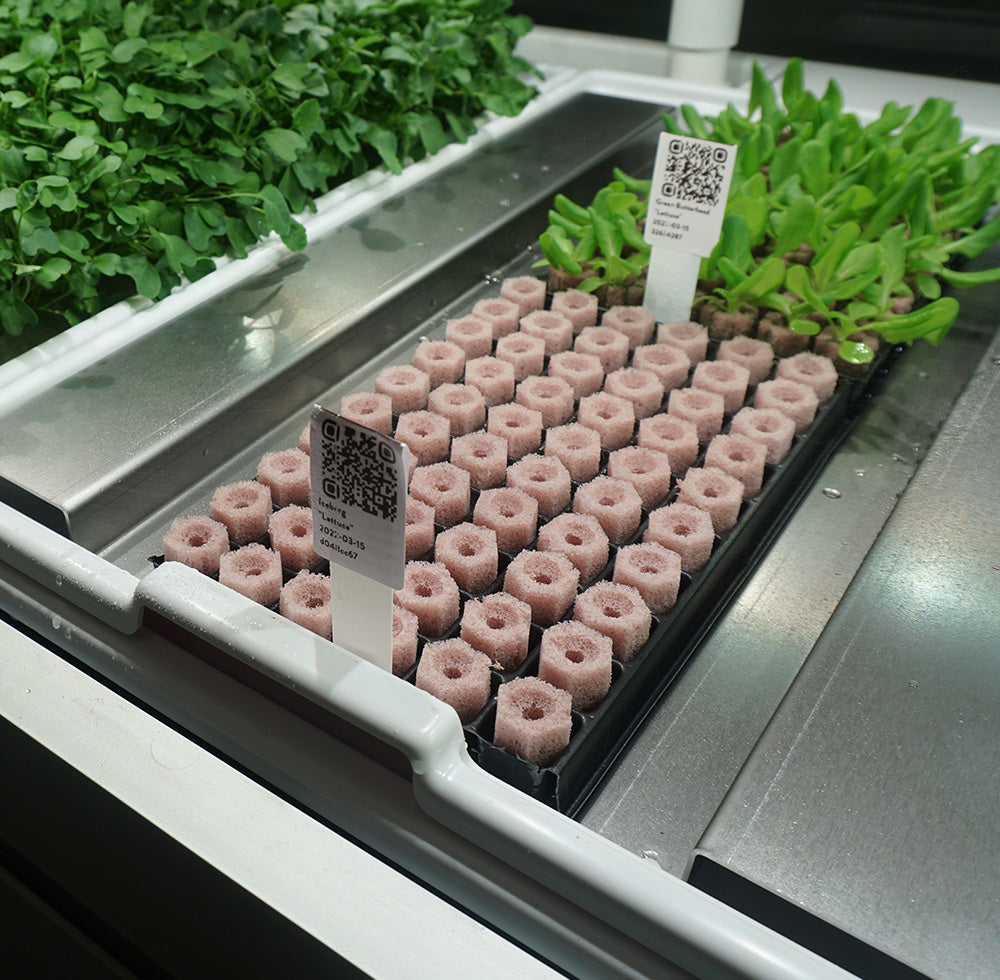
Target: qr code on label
<point x="359" y="470"/>
<point x="695" y="171"/>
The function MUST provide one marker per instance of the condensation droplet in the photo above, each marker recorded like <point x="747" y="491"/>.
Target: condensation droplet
<point x="56" y="623"/>
<point x="896" y="458"/>
<point x="651" y="855"/>
<point x="922" y="375"/>
<point x="59" y="581"/>
<point x="504" y="202"/>
<point x="545" y="168"/>
<point x="515" y="175"/>
<point x="832" y="492"/>
<point x="995" y="358"/>
<point x="859" y="472"/>
<point x="492" y="278"/>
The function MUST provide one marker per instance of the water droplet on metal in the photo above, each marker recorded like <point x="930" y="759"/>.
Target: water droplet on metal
<point x="59" y="581"/>
<point x="545" y="168"/>
<point x="515" y="176"/>
<point x="896" y="458"/>
<point x="651" y="855"/>
<point x="56" y="623"/>
<point x="492" y="278"/>
<point x="995" y="358"/>
<point x="914" y="684"/>
<point x="859" y="472"/>
<point x="504" y="203"/>
<point x="922" y="375"/>
<point x="832" y="492"/>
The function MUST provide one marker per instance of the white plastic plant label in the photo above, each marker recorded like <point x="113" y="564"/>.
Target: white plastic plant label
<point x="359" y="479"/>
<point x="687" y="202"/>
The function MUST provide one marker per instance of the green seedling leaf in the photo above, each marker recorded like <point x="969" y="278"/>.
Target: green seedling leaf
<point x="791" y="84"/>
<point x="854" y="352"/>
<point x="975" y="243"/>
<point x="762" y="97"/>
<point x="962" y="279"/>
<point x="798" y="224"/>
<point x="802" y="326"/>
<point x="930" y="322"/>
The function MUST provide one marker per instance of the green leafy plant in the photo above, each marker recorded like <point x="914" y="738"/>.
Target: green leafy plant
<point x="140" y="140"/>
<point x="832" y="221"/>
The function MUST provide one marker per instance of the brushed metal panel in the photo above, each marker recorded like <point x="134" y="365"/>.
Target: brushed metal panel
<point x="873" y="797"/>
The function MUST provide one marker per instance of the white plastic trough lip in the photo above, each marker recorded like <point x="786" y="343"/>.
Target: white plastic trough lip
<point x="657" y="910"/>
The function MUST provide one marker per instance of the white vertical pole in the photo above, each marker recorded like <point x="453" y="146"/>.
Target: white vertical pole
<point x="700" y="37"/>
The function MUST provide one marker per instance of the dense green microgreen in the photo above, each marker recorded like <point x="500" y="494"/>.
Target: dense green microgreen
<point x="831" y="221"/>
<point x="140" y="140"/>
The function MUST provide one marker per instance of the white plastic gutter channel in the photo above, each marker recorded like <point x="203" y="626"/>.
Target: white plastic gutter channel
<point x="643" y="902"/>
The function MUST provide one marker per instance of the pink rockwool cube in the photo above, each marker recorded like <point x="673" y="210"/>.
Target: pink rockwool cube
<point x="652" y="569"/>
<point x="545" y="580"/>
<point x="469" y="552"/>
<point x="404" y="639"/>
<point x="584" y="373"/>
<point x="512" y="513"/>
<point x="553" y="397"/>
<point x="810" y="369"/>
<point x="286" y="474"/>
<point x="527" y="291"/>
<point x="196" y="541"/>
<point x="713" y="490"/>
<point x="472" y="333"/>
<point x="617" y="611"/>
<point x="430" y="593"/>
<point x="306" y="600"/>
<point x="245" y="508"/>
<point x="757" y="356"/>
<point x="642" y="388"/>
<point x="493" y="377"/>
<point x="726" y="378"/>
<point x="673" y="436"/>
<point x="691" y="337"/>
<point x="608" y="345"/>
<point x="767" y="425"/>
<point x="427" y="434"/>
<point x="555" y="330"/>
<point x="419" y="528"/>
<point x="441" y="360"/>
<point x="520" y="426"/>
<point x="253" y="571"/>
<point x="501" y="314"/>
<point x="306" y="434"/>
<point x="291" y="533"/>
<point x="670" y="364"/>
<point x="577" y="447"/>
<point x="368" y="408"/>
<point x="525" y="353"/>
<point x="705" y="408"/>
<point x="484" y="456"/>
<point x="446" y="488"/>
<point x="646" y="469"/>
<point x="534" y="720"/>
<point x="544" y="478"/>
<point x="462" y="405"/>
<point x="581" y="539"/>
<point x="610" y="416"/>
<point x="580" y="307"/>
<point x="685" y="529"/>
<point x="577" y="659"/>
<point x="406" y="385"/>
<point x="741" y="457"/>
<point x="457" y="675"/>
<point x="796" y="400"/>
<point x="498" y="625"/>
<point x="636" y="323"/>
<point x="615" y="503"/>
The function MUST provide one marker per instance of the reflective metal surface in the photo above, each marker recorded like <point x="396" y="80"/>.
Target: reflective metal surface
<point x="872" y="799"/>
